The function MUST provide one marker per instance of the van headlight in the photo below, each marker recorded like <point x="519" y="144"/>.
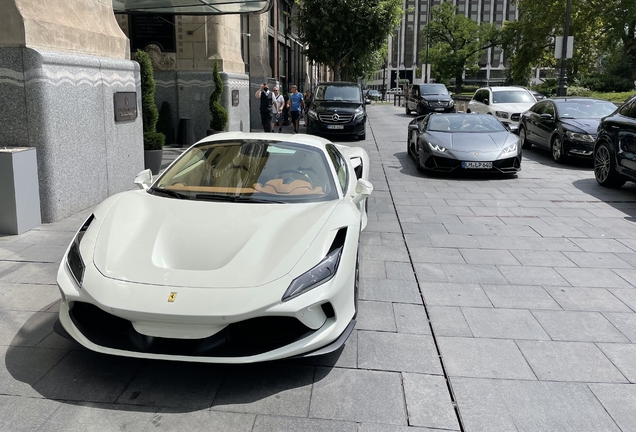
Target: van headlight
<point x="324" y="271"/>
<point x="313" y="114"/>
<point x="359" y="113"/>
<point x="74" y="261"/>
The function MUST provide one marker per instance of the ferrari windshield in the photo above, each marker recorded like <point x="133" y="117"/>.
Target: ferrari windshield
<point x="255" y="171"/>
<point x="338" y="93"/>
<point x="464" y="123"/>
<point x="594" y="109"/>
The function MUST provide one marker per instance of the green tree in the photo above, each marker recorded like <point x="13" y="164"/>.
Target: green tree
<point x="219" y="119"/>
<point x="153" y="140"/>
<point x="366" y="65"/>
<point x="457" y="43"/>
<point x="345" y="33"/>
<point x="599" y="28"/>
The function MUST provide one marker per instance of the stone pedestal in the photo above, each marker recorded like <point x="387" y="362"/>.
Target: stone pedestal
<point x="19" y="194"/>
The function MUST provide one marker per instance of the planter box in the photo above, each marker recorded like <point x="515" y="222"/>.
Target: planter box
<point x="20" y="191"/>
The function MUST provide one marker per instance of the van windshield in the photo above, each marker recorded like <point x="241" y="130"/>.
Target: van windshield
<point x="338" y="93"/>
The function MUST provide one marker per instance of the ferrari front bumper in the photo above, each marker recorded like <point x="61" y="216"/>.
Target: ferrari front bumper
<point x="242" y="325"/>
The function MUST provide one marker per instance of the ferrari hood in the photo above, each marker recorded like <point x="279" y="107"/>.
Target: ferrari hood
<point x="589" y="126"/>
<point x="163" y="241"/>
<point x="472" y="141"/>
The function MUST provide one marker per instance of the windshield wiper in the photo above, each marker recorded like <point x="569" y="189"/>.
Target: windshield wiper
<point x="172" y="193"/>
<point x="237" y="199"/>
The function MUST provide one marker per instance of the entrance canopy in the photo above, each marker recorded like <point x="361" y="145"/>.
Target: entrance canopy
<point x="192" y="7"/>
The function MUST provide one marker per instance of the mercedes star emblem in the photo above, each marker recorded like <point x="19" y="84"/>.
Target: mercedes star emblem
<point x="335" y="117"/>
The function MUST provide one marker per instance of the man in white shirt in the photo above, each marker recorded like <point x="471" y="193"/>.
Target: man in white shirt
<point x="277" y="117"/>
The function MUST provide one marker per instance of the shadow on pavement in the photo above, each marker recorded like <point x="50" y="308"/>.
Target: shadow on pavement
<point x="623" y="199"/>
<point x="544" y="157"/>
<point x="56" y="368"/>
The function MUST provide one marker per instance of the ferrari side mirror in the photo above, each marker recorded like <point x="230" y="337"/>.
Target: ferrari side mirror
<point x="143" y="179"/>
<point x="363" y="190"/>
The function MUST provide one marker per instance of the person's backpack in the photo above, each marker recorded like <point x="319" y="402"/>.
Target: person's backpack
<point x="266" y="101"/>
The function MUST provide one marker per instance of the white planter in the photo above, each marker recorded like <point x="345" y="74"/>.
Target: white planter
<point x="20" y="192"/>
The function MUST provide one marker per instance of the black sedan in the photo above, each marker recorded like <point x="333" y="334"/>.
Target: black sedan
<point x="565" y="126"/>
<point x="463" y="142"/>
<point x="615" y="147"/>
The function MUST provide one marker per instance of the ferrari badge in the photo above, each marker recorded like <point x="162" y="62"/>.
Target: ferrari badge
<point x="172" y="297"/>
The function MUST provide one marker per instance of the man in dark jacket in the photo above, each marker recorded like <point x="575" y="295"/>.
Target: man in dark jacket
<point x="267" y="101"/>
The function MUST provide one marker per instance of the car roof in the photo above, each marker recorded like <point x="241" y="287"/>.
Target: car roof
<point x="505" y="88"/>
<point x="309" y="140"/>
<point x="339" y="83"/>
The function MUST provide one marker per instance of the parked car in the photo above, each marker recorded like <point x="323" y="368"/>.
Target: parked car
<point x="615" y="147"/>
<point x="565" y="126"/>
<point x="244" y="250"/>
<point x="395" y="90"/>
<point x="463" y="142"/>
<point x="538" y="96"/>
<point x="505" y="103"/>
<point x="374" y="95"/>
<point x="338" y="109"/>
<point x="427" y="98"/>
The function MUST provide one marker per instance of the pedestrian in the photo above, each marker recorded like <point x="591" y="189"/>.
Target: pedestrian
<point x="277" y="120"/>
<point x="268" y="104"/>
<point x="309" y="100"/>
<point x="296" y="106"/>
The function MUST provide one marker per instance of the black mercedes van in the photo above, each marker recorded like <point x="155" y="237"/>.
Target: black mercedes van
<point x="338" y="109"/>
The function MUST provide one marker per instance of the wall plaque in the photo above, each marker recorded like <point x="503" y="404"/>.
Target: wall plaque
<point x="152" y="29"/>
<point x="235" y="97"/>
<point x="125" y="106"/>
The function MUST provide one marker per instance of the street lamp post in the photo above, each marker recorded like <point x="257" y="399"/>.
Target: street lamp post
<point x="428" y="34"/>
<point x="562" y="89"/>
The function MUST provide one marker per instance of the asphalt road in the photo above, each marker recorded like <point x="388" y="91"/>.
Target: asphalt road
<point x="487" y="304"/>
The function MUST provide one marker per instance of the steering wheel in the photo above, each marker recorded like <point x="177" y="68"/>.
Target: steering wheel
<point x="294" y="171"/>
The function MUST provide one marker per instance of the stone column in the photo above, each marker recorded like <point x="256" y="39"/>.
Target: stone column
<point x="61" y="62"/>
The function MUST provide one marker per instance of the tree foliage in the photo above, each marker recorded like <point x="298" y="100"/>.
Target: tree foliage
<point x="599" y="27"/>
<point x="457" y="43"/>
<point x="219" y="119"/>
<point x="153" y="140"/>
<point x="346" y="34"/>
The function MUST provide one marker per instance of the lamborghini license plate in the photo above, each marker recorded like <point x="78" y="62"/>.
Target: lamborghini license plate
<point x="477" y="165"/>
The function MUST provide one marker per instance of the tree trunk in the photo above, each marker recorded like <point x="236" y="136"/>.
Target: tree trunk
<point x="459" y="80"/>
<point x="336" y="72"/>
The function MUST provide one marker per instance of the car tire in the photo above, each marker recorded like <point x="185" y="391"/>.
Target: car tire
<point x="408" y="111"/>
<point x="556" y="148"/>
<point x="467" y="110"/>
<point x="525" y="144"/>
<point x="605" y="167"/>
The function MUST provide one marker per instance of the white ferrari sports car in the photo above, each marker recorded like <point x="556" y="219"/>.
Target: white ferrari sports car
<point x="244" y="250"/>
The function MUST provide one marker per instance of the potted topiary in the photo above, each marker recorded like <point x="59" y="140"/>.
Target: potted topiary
<point x="164" y="124"/>
<point x="153" y="140"/>
<point x="219" y="119"/>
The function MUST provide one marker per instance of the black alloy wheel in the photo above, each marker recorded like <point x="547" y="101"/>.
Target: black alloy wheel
<point x="558" y="152"/>
<point x="605" y="167"/>
<point x="525" y="144"/>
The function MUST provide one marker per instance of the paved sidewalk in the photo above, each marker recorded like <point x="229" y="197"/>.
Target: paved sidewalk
<point x="487" y="304"/>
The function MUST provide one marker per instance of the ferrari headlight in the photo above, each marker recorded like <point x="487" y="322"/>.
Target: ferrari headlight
<point x="358" y="113"/>
<point x="311" y="113"/>
<point x="509" y="149"/>
<point x="74" y="261"/>
<point x="438" y="148"/>
<point x="501" y="114"/>
<point x="321" y="273"/>
<point x="579" y="136"/>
